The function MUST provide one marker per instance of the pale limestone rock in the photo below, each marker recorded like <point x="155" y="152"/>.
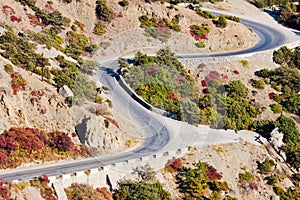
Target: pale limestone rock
<point x="65" y="91"/>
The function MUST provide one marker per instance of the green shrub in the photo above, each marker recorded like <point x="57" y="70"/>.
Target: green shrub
<point x="245" y="63"/>
<point x="54" y="18"/>
<point x="69" y="101"/>
<point x="106" y="123"/>
<point x="8" y="68"/>
<point x="124" y="3"/>
<point x="20" y="51"/>
<point x="271" y="180"/>
<point x="105" y="88"/>
<point x="67" y="1"/>
<point x="236" y="90"/>
<point x="259" y="84"/>
<point x="233" y="18"/>
<point x="266" y="166"/>
<point x="247" y="176"/>
<point x="200" y="44"/>
<point x="276" y="108"/>
<point x="89" y="67"/>
<point x="103" y="12"/>
<point x="98" y="99"/>
<point x="199" y="32"/>
<point x="129" y="189"/>
<point x="109" y="102"/>
<point x="79" y="24"/>
<point x="175" y="19"/>
<point x="30" y="3"/>
<point x="99" y="29"/>
<point x="48" y="37"/>
<point x="205" y="14"/>
<point x="221" y="22"/>
<point x="74" y="28"/>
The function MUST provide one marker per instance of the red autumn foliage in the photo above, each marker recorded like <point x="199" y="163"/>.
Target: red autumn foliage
<point x="43" y="111"/>
<point x="203" y="83"/>
<point x="44" y="178"/>
<point x="61" y="141"/>
<point x="22" y="138"/>
<point x="212" y="75"/>
<point x="271" y="95"/>
<point x="224" y="76"/>
<point x="74" y="134"/>
<point x="163" y="28"/>
<point x="118" y="15"/>
<point x="111" y="120"/>
<point x="105" y="193"/>
<point x="253" y="185"/>
<point x="173" y="165"/>
<point x="199" y="37"/>
<point x="236" y="72"/>
<point x="29" y="140"/>
<point x="7" y="10"/>
<point x="36" y="96"/>
<point x="15" y="19"/>
<point x="152" y="70"/>
<point x="17" y="83"/>
<point x="48" y="6"/>
<point x="3" y="157"/>
<point x="34" y="20"/>
<point x="4" y="193"/>
<point x="212" y="174"/>
<point x="172" y="95"/>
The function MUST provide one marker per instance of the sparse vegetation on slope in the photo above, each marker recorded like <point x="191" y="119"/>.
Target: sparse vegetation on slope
<point x="162" y="82"/>
<point x="24" y="145"/>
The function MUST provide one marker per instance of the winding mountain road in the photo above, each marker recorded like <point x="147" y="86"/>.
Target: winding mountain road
<point x="161" y="133"/>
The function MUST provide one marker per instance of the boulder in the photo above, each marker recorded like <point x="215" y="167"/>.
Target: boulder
<point x="276" y="139"/>
<point x="65" y="91"/>
<point x="92" y="133"/>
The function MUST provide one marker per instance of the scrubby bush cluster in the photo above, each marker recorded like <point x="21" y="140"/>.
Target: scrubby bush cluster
<point x="200" y="181"/>
<point x="99" y="29"/>
<point x="17" y="82"/>
<point x="259" y="84"/>
<point x="288" y="14"/>
<point x="103" y="11"/>
<point x="287" y="57"/>
<point x="276" y="108"/>
<point x="41" y="183"/>
<point x="163" y="82"/>
<point x="232" y="18"/>
<point x="199" y="32"/>
<point x="173" y="165"/>
<point x="85" y="192"/>
<point x="153" y="22"/>
<point x="289" y="86"/>
<point x="21" y="145"/>
<point x="4" y="190"/>
<point x="291" y="136"/>
<point x="226" y="106"/>
<point x="266" y="166"/>
<point x="77" y="44"/>
<point x="205" y="14"/>
<point x="129" y="189"/>
<point x="221" y="22"/>
<point x="78" y="82"/>
<point x="48" y="37"/>
<point x="247" y="181"/>
<point x="20" y="51"/>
